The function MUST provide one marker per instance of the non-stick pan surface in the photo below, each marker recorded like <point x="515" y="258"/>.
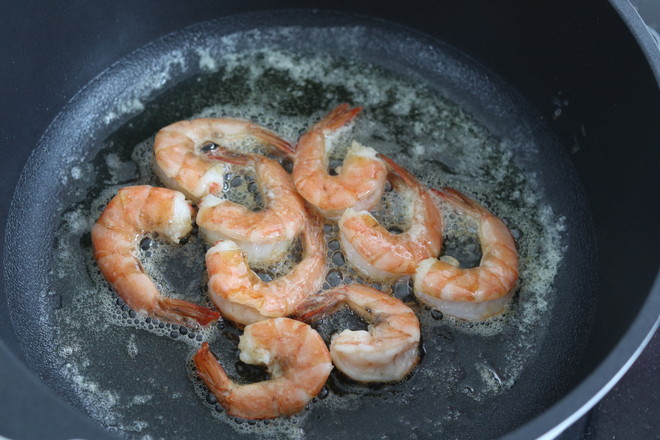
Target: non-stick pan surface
<point x="73" y="137"/>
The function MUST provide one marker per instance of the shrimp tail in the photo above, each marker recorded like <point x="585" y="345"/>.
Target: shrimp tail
<point x="229" y="156"/>
<point x="337" y="118"/>
<point x="183" y="312"/>
<point x="400" y="171"/>
<point x="212" y="373"/>
<point x="270" y="138"/>
<point x="318" y="306"/>
<point x="458" y="199"/>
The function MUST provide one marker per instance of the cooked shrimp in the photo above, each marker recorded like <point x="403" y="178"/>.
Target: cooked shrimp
<point x="296" y="358"/>
<point x="388" y="351"/>
<point x="182" y="150"/>
<point x="264" y="235"/>
<point x="132" y="213"/>
<point x="245" y="298"/>
<point x="382" y="254"/>
<point x="479" y="292"/>
<point x="360" y="181"/>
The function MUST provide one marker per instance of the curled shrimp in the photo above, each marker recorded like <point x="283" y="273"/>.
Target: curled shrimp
<point x="479" y="292"/>
<point x="388" y="351"/>
<point x="132" y="213"/>
<point x="264" y="235"/>
<point x="182" y="151"/>
<point x="296" y="358"/>
<point x="360" y="181"/>
<point x="243" y="297"/>
<point x="382" y="254"/>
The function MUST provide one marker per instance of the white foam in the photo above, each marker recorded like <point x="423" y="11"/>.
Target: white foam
<point x="206" y="60"/>
<point x="76" y="172"/>
<point x="132" y="348"/>
<point x="130" y="99"/>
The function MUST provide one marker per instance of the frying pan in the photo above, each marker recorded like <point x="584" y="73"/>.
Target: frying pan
<point x="600" y="152"/>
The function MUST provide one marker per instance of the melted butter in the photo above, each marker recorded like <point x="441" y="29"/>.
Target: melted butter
<point x="426" y="133"/>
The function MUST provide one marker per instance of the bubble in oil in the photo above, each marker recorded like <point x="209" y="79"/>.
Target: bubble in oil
<point x="241" y="187"/>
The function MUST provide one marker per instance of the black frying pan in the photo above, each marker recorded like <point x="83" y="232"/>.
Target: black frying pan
<point x="566" y="356"/>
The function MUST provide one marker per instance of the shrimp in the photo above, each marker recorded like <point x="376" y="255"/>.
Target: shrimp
<point x="388" y="351"/>
<point x="479" y="292"/>
<point x="132" y="213"/>
<point x="296" y="358"/>
<point x="245" y="298"/>
<point x="182" y="150"/>
<point x="264" y="235"/>
<point x="382" y="254"/>
<point x="360" y="181"/>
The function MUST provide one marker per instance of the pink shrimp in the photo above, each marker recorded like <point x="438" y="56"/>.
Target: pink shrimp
<point x="244" y="298"/>
<point x="267" y="234"/>
<point x="182" y="151"/>
<point x="388" y="351"/>
<point x="132" y="213"/>
<point x="360" y="181"/>
<point x="479" y="292"/>
<point x="297" y="360"/>
<point x="382" y="254"/>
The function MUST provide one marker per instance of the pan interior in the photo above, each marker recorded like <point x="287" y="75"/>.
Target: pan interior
<point x="432" y="109"/>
